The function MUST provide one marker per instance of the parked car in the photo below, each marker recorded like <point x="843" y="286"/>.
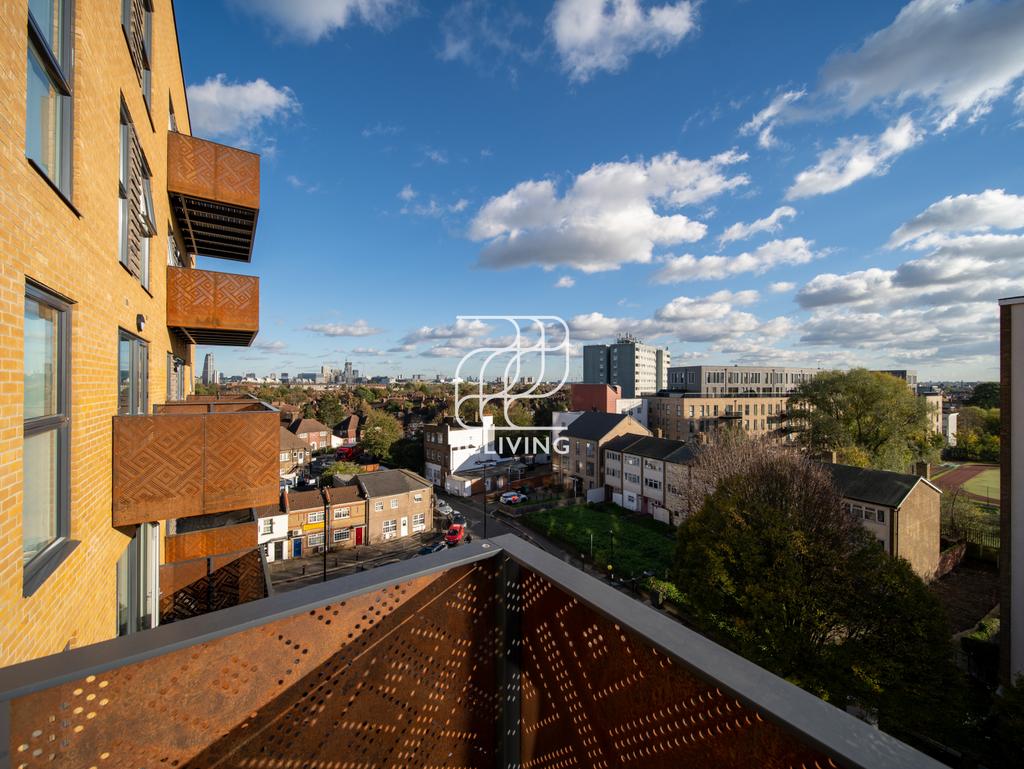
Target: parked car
<point x="347" y="452"/>
<point x="456" y="533"/>
<point x="458" y="518"/>
<point x="433" y="548"/>
<point x="513" y="497"/>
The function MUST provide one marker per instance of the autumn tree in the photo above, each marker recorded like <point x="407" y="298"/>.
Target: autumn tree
<point x="380" y="431"/>
<point x="985" y="395"/>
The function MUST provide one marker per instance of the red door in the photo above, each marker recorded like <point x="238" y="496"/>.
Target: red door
<point x="359" y="535"/>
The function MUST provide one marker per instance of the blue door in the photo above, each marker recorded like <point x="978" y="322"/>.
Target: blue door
<point x="296" y="548"/>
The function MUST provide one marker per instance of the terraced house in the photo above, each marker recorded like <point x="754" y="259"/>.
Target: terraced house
<point x="107" y="200"/>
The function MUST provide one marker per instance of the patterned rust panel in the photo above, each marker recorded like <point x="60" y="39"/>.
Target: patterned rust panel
<point x="594" y="695"/>
<point x="222" y="539"/>
<point x="401" y="677"/>
<point x="242" y="461"/>
<point x="204" y="169"/>
<point x="239" y="580"/>
<point x="158" y="468"/>
<point x="221" y="301"/>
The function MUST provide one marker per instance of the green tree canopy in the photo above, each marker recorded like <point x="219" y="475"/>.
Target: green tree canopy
<point x="985" y="395"/>
<point x="340" y="468"/>
<point x="867" y="418"/>
<point x="774" y="568"/>
<point x="379" y="432"/>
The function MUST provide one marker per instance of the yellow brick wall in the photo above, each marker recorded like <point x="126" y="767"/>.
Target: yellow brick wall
<point x="42" y="238"/>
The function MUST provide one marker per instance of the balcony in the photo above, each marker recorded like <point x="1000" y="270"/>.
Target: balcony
<point x="215" y="193"/>
<point x="216" y="308"/>
<point x="492" y="654"/>
<point x="194" y="458"/>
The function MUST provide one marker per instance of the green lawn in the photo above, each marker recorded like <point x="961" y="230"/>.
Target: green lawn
<point x="985" y="484"/>
<point x="638" y="544"/>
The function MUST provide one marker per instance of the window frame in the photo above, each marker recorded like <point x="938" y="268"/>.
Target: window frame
<point x="63" y="83"/>
<point x="37" y="569"/>
<point x="137" y="343"/>
<point x="341" y="535"/>
<point x="311" y="517"/>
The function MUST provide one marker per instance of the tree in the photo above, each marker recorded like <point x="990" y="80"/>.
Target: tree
<point x="340" y="468"/>
<point x="772" y="566"/>
<point x="329" y="409"/>
<point x="985" y="395"/>
<point x="862" y="415"/>
<point x="379" y="433"/>
<point x="408" y="453"/>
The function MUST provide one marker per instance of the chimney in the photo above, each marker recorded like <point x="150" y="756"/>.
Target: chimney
<point x="923" y="469"/>
<point x="658" y="433"/>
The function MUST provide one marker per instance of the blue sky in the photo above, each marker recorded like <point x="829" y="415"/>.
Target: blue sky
<point x="742" y="181"/>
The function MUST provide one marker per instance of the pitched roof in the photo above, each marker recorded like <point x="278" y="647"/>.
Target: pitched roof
<point x="683" y="455"/>
<point x="308" y="426"/>
<point x="879" y="487"/>
<point x="654" y="448"/>
<point x="384" y="483"/>
<point x="303" y="500"/>
<point x="593" y="425"/>
<point x="621" y="442"/>
<point x="290" y="440"/>
<point x="348" y="493"/>
<point x="348" y="425"/>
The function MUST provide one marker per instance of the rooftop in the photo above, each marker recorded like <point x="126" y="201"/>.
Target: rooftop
<point x="879" y="487"/>
<point x="593" y="425"/>
<point x="491" y="654"/>
<point x="308" y="426"/>
<point x="383" y="483"/>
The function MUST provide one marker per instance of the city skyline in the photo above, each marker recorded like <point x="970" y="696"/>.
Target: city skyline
<point x="842" y="203"/>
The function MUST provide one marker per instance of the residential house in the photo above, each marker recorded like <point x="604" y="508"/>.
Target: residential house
<point x="648" y="475"/>
<point x="347" y="508"/>
<point x="294" y="456"/>
<point x="580" y="467"/>
<point x="901" y="510"/>
<point x="305" y="510"/>
<point x="399" y="503"/>
<point x="313" y="432"/>
<point x="103" y="196"/>
<point x="347" y="430"/>
<point x="450" y="448"/>
<point x="273" y="531"/>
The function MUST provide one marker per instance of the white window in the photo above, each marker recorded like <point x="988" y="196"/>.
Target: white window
<point x="394" y="504"/>
<point x="869" y="513"/>
<point x="390" y="528"/>
<point x="341" y="535"/>
<point x="417" y="497"/>
<point x="378" y="506"/>
<point x="858" y="511"/>
<point x="313" y="540"/>
<point x="419" y="522"/>
<point x="284" y="456"/>
<point x="341" y="512"/>
<point x="267" y="525"/>
<point x="317" y="517"/>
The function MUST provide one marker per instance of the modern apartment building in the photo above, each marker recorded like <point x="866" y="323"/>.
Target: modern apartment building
<point x="907" y="375"/>
<point x="580" y="468"/>
<point x="1011" y="487"/>
<point x="636" y="367"/>
<point x="738" y="380"/>
<point x="901" y="510"/>
<point x="684" y="417"/>
<point x="106" y="201"/>
<point x="209" y="371"/>
<point x="648" y="475"/>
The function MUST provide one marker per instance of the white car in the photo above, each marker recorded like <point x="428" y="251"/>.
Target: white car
<point x="443" y="507"/>
<point x="513" y="497"/>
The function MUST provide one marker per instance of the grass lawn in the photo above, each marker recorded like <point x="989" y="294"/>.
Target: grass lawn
<point x="985" y="484"/>
<point x="640" y="543"/>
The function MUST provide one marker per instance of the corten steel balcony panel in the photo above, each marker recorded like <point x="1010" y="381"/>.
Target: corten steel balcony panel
<point x="492" y="654"/>
<point x="215" y="192"/>
<point x="218" y="308"/>
<point x="178" y="465"/>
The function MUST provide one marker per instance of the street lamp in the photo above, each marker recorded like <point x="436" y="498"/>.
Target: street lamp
<point x="611" y="548"/>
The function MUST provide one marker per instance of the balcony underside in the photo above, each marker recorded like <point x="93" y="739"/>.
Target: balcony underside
<point x="492" y="654"/>
<point x="214" y="229"/>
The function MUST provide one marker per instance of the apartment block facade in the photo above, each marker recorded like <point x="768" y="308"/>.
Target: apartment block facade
<point x="107" y="198"/>
<point x="682" y="417"/>
<point x="738" y="380"/>
<point x="648" y="475"/>
<point x="638" y="368"/>
<point x="580" y="469"/>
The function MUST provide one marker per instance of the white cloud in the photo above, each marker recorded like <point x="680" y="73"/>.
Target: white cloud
<point x="613" y="214"/>
<point x="459" y="206"/>
<point x="565" y="282"/>
<point x="312" y="20"/>
<point x="781" y="287"/>
<point x="407" y="193"/>
<point x="594" y="35"/>
<point x="381" y="129"/>
<point x="765" y="257"/>
<point x="367" y="351"/>
<point x="219" y="108"/>
<point x="274" y="346"/>
<point x="853" y="158"/>
<point x="359" y="328"/>
<point x="770" y="223"/>
<point x="963" y="213"/>
<point x="436" y="156"/>
<point x="486" y="35"/>
<point x="763" y="123"/>
<point x="912" y="59"/>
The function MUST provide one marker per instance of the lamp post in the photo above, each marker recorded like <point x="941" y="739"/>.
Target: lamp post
<point x="611" y="557"/>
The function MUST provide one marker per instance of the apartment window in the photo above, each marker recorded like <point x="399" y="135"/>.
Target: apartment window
<point x="46" y="523"/>
<point x="632" y="477"/>
<point x="138" y="577"/>
<point x="590" y="468"/>
<point x="132" y="374"/>
<point x="419" y="522"/>
<point x="869" y="513"/>
<point x="135" y="204"/>
<point x="613" y="456"/>
<point x="390" y="528"/>
<point x="315" y="540"/>
<point x="267" y="526"/>
<point x="881" y="516"/>
<point x="858" y="511"/>
<point x="137" y="22"/>
<point x="417" y="497"/>
<point x="284" y="456"/>
<point x="317" y="517"/>
<point x="652" y="484"/>
<point x="342" y="512"/>
<point x="173" y="252"/>
<point x="48" y="90"/>
<point x="341" y="535"/>
<point x="378" y="506"/>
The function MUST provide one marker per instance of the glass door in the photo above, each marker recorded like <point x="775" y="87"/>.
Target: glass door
<point x="138" y="581"/>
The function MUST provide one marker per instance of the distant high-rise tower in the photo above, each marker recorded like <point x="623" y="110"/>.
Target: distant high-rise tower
<point x="209" y="372"/>
<point x="349" y="376"/>
<point x="638" y="368"/>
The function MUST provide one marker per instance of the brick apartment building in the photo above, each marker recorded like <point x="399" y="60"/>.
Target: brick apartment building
<point x="580" y="469"/>
<point x="399" y="503"/>
<point x="648" y="475"/>
<point x="106" y="201"/>
<point x="685" y="417"/>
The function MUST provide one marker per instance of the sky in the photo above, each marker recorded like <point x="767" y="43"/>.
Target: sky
<point x="741" y="181"/>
